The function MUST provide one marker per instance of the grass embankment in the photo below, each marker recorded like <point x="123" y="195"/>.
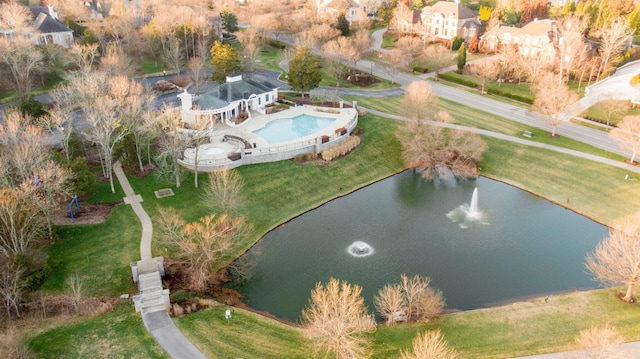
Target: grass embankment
<point x="246" y="335"/>
<point x="276" y="192"/>
<point x="531" y="327"/>
<point x="118" y="334"/>
<point x="468" y="116"/>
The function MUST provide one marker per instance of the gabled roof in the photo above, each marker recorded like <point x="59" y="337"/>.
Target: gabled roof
<point x="447" y="8"/>
<point x="45" y="22"/>
<point x="47" y="25"/>
<point x="539" y="27"/>
<point x="534" y="28"/>
<point x="230" y="92"/>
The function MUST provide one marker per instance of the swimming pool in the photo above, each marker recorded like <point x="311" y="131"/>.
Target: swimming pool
<point x="288" y="129"/>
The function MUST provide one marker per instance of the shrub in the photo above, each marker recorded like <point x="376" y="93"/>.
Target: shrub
<point x="635" y="81"/>
<point x="457" y="41"/>
<point x="341" y="149"/>
<point x="277" y="44"/>
<point x="421" y="69"/>
<point x="181" y="296"/>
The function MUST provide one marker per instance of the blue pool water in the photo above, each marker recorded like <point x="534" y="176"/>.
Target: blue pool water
<point x="288" y="129"/>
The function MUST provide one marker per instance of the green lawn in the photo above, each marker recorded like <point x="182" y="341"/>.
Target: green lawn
<point x="596" y="111"/>
<point x="100" y="254"/>
<point x="245" y="335"/>
<point x="276" y="192"/>
<point x="468" y="116"/>
<point x="118" y="334"/>
<point x="534" y="326"/>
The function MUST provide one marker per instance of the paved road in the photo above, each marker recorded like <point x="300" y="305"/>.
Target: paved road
<point x="584" y="134"/>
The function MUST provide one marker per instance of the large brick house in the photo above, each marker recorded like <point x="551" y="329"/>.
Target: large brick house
<point x="539" y="38"/>
<point x="442" y="20"/>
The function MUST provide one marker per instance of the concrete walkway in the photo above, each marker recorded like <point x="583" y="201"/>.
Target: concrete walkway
<point x="154" y="314"/>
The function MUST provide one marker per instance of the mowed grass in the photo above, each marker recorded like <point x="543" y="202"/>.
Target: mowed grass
<point x="536" y="326"/>
<point x="276" y="192"/>
<point x="597" y="111"/>
<point x="100" y="254"/>
<point x="118" y="334"/>
<point x="245" y="335"/>
<point x="468" y="116"/>
<point x="594" y="190"/>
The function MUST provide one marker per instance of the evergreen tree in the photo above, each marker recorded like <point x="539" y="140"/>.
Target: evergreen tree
<point x="229" y="20"/>
<point x="303" y="71"/>
<point x="633" y="19"/>
<point x="384" y="14"/>
<point x="225" y="61"/>
<point x="417" y="4"/>
<point x="343" y="25"/>
<point x="567" y="8"/>
<point x="462" y="57"/>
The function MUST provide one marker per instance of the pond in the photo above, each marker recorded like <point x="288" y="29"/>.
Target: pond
<point x="523" y="246"/>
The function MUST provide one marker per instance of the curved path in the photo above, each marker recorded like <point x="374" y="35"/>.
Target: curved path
<point x="157" y="322"/>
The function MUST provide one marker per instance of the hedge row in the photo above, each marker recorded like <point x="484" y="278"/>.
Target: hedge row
<point x="277" y="44"/>
<point x="341" y="148"/>
<point x="495" y="91"/>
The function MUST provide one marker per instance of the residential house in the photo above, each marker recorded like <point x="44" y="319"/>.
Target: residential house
<point x="351" y="8"/>
<point x="442" y="20"/>
<point x="228" y="101"/>
<point x="45" y="29"/>
<point x="539" y="38"/>
<point x="49" y="29"/>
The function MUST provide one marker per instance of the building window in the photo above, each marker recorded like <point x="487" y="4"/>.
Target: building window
<point x="267" y="99"/>
<point x="259" y="101"/>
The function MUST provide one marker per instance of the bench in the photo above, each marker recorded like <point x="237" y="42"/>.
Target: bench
<point x="527" y="134"/>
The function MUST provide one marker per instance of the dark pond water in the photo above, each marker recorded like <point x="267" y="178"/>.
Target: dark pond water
<point x="530" y="247"/>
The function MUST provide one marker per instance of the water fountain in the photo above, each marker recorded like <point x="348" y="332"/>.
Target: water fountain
<point x="360" y="249"/>
<point x="468" y="214"/>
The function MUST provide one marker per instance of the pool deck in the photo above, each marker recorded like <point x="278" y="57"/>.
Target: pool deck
<point x="256" y="149"/>
<point x="260" y="121"/>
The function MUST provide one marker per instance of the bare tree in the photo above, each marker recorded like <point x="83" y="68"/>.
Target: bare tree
<point x="429" y="304"/>
<point x="433" y="148"/>
<point x="573" y="51"/>
<point x="552" y="98"/>
<point x="627" y="134"/>
<point x="430" y="344"/>
<point x="393" y="62"/>
<point x="419" y="101"/>
<point x="75" y="283"/>
<point x="616" y="259"/>
<point x="412" y="289"/>
<point x="21" y="224"/>
<point x="336" y="320"/>
<point x="173" y="54"/>
<point x="411" y="45"/>
<point x="614" y="37"/>
<point x="59" y="122"/>
<point x="171" y="145"/>
<point x="339" y="53"/>
<point x="600" y="343"/>
<point x="389" y="302"/>
<point x="23" y="59"/>
<point x="439" y="56"/>
<point x="612" y="109"/>
<point x="196" y="71"/>
<point x="401" y="13"/>
<point x="223" y="192"/>
<point x="485" y="70"/>
<point x="202" y="246"/>
<point x="11" y="287"/>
